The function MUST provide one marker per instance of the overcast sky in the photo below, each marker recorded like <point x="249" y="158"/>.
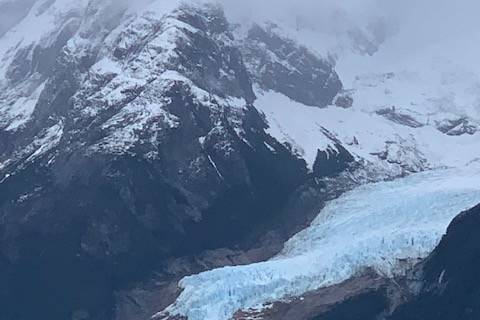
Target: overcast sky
<point x="421" y="18"/>
<point x="412" y="24"/>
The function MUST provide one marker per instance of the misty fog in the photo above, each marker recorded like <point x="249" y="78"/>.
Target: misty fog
<point x="417" y="24"/>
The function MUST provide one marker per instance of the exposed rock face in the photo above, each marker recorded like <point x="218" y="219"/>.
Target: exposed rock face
<point x="282" y="65"/>
<point x="142" y="146"/>
<point x="332" y="162"/>
<point x="397" y="117"/>
<point x="343" y="100"/>
<point x="363" y="297"/>
<point x="450" y="282"/>
<point x="457" y="127"/>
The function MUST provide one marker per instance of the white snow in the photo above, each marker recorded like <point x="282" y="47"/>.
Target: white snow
<point x="377" y="225"/>
<point x="419" y="73"/>
<point x="146" y="112"/>
<point x="16" y="115"/>
<point x="424" y="68"/>
<point x="48" y="140"/>
<point x="36" y="27"/>
<point x="215" y="167"/>
<point x="363" y="133"/>
<point x="150" y="72"/>
<point x="294" y="124"/>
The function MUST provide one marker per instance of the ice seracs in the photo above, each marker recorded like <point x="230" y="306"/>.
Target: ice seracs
<point x="377" y="226"/>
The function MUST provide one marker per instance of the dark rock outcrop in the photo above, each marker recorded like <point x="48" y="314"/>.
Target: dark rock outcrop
<point x="331" y="162"/>
<point x="282" y="65"/>
<point x="139" y="169"/>
<point x="398" y="117"/>
<point x="457" y="127"/>
<point x="363" y="297"/>
<point x="449" y="277"/>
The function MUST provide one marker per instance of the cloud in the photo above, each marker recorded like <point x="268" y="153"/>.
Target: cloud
<point x="12" y="11"/>
<point x="420" y="21"/>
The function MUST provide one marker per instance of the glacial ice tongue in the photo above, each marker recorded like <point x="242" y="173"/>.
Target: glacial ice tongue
<point x="377" y="225"/>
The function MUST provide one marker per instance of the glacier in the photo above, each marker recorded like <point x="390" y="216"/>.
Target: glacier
<point x="380" y="226"/>
<point x="376" y="226"/>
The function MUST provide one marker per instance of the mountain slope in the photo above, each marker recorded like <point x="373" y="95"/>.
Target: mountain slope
<point x="450" y="284"/>
<point x="144" y="142"/>
<point x="136" y="142"/>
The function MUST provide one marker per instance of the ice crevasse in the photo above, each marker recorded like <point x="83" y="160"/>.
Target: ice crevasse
<point x="378" y="226"/>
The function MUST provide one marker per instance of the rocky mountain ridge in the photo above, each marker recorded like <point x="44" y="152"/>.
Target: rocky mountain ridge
<point x="143" y="143"/>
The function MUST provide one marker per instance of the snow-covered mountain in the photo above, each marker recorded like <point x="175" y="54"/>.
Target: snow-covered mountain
<point x="142" y="143"/>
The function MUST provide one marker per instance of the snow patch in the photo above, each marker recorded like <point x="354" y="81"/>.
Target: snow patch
<point x="214" y="165"/>
<point x="47" y="141"/>
<point x="292" y="123"/>
<point x="36" y="27"/>
<point x="16" y="115"/>
<point x="368" y="136"/>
